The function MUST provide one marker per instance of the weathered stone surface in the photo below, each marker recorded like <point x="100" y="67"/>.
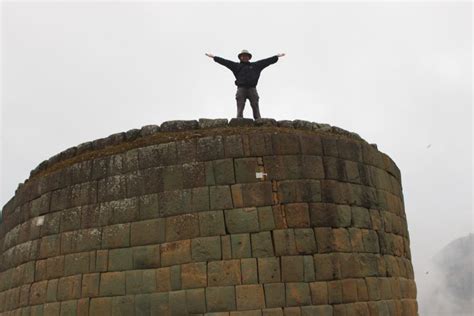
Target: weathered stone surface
<point x="206" y="248"/>
<point x="249" y="297"/>
<point x="241" y="220"/>
<point x="179" y="125"/>
<point x="174" y="221"/>
<point x="220" y="298"/>
<point x="241" y="122"/>
<point x="226" y="272"/>
<point x="212" y="123"/>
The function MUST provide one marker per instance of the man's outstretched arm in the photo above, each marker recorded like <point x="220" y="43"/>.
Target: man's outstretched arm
<point x="268" y="61"/>
<point x="225" y="62"/>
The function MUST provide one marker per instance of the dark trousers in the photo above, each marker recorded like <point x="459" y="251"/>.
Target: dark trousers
<point x="242" y="95"/>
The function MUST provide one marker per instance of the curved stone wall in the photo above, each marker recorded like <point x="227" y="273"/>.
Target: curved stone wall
<point x="246" y="218"/>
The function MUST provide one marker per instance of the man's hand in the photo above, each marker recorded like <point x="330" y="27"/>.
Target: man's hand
<point x="209" y="55"/>
<point x="281" y="55"/>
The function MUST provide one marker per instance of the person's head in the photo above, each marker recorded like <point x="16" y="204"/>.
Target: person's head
<point x="244" y="56"/>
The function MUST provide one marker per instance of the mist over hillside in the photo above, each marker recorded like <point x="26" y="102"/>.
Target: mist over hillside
<point x="450" y="280"/>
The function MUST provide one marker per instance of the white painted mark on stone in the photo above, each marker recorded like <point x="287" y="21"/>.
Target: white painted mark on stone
<point x="260" y="175"/>
<point x="39" y="220"/>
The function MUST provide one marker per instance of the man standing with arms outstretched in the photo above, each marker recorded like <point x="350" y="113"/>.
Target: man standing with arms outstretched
<point x="246" y="74"/>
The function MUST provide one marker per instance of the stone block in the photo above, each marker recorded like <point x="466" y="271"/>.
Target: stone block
<point x="140" y="281"/>
<point x="52" y="290"/>
<point x="325" y="267"/>
<point x="145" y="257"/>
<point x="180" y="227"/>
<point x="269" y="270"/>
<point x="186" y="150"/>
<point x="248" y="268"/>
<point x="116" y="236"/>
<point x="249" y="297"/>
<point x="284" y="242"/>
<point x="311" y="145"/>
<point x="212" y="123"/>
<point x="324" y="310"/>
<point x="51" y="224"/>
<point x="200" y="199"/>
<point x="38" y="292"/>
<point x="148" y="206"/>
<point x="292" y="191"/>
<point x="265" y="218"/>
<point x="262" y="245"/>
<point x="210" y="148"/>
<point x="112" y="188"/>
<point x="305" y="241"/>
<point x="76" y="263"/>
<point x="49" y="246"/>
<point x="349" y="290"/>
<point x="220" y="298"/>
<point x="285" y="144"/>
<point x="84" y="193"/>
<point x="362" y="294"/>
<point x="329" y="240"/>
<point x="206" y="248"/>
<point x="90" y="216"/>
<point x="226" y="272"/>
<point x="211" y="223"/>
<point x="319" y="293"/>
<point x="194" y="175"/>
<point x="196" y="301"/>
<point x="69" y="288"/>
<point x="308" y="265"/>
<point x="176" y="252"/>
<point x="55" y="267"/>
<point x="245" y="170"/>
<point x="292" y="269"/>
<point x="101" y="258"/>
<point x="371" y="241"/>
<point x="112" y="283"/>
<point x="297" y="294"/>
<point x="120" y="259"/>
<point x="240" y="245"/>
<point x="360" y="217"/>
<point x="226" y="247"/>
<point x="194" y="275"/>
<point x="349" y="150"/>
<point x="123" y="305"/>
<point x="297" y="214"/>
<point x="172" y="177"/>
<point x="70" y="219"/>
<point x="352" y="171"/>
<point x="90" y="285"/>
<point x="355" y="235"/>
<point x="220" y="197"/>
<point x="60" y="199"/>
<point x="163" y="279"/>
<point x="330" y="215"/>
<point x="233" y="146"/>
<point x="241" y="220"/>
<point x="373" y="288"/>
<point x="69" y="308"/>
<point x="260" y="144"/>
<point x="148" y="232"/>
<point x="274" y="295"/>
<point x="252" y="194"/>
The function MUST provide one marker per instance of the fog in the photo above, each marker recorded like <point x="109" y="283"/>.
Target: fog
<point x="397" y="73"/>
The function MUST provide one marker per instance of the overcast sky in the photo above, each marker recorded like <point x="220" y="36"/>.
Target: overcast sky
<point x="397" y="73"/>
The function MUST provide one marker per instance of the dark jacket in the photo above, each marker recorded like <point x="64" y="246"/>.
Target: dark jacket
<point x="246" y="73"/>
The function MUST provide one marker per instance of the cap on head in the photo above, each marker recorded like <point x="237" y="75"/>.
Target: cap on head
<point x="246" y="52"/>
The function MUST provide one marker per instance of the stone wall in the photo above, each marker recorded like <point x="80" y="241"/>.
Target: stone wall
<point x="210" y="217"/>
